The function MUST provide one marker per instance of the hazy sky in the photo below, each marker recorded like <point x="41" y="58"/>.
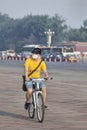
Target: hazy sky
<point x="73" y="11"/>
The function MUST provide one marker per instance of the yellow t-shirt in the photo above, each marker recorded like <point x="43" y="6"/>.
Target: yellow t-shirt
<point x="32" y="64"/>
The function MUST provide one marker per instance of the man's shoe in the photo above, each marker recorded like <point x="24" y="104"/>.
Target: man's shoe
<point x="26" y="105"/>
<point x="45" y="106"/>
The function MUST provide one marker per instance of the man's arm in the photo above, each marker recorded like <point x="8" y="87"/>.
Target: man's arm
<point x="26" y="73"/>
<point x="46" y="74"/>
<point x="44" y="69"/>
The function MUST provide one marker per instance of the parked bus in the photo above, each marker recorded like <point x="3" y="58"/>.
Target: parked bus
<point x="61" y="50"/>
<point x="27" y="49"/>
<point x="64" y="50"/>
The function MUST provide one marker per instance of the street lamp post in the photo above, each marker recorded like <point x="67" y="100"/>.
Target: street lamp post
<point x="49" y="36"/>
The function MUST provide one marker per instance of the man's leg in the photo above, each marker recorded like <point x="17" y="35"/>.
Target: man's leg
<point x="44" y="94"/>
<point x="28" y="94"/>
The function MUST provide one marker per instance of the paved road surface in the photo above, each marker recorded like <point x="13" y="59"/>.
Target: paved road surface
<point x="66" y="98"/>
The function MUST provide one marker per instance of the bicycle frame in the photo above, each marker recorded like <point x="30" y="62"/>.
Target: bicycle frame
<point x="37" y="102"/>
<point x="36" y="91"/>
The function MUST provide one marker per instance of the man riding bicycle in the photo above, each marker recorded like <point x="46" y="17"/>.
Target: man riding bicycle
<point x="30" y="64"/>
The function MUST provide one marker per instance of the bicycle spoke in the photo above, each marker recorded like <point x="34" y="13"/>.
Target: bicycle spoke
<point x="40" y="108"/>
<point x="31" y="109"/>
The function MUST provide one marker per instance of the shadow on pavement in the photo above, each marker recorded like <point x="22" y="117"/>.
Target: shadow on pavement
<point x="18" y="116"/>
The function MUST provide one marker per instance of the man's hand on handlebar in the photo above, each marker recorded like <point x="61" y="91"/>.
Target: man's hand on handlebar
<point x="27" y="78"/>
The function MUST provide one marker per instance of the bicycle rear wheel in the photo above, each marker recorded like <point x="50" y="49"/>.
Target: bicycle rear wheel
<point x="40" y="108"/>
<point x="31" y="108"/>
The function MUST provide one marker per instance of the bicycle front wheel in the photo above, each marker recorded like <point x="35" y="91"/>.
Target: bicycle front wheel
<point x="40" y="108"/>
<point x="31" y="108"/>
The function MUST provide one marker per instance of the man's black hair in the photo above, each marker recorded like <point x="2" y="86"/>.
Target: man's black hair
<point x="36" y="51"/>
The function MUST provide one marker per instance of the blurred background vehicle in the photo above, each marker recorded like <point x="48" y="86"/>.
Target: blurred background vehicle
<point x="53" y="56"/>
<point x="57" y="56"/>
<point x="10" y="53"/>
<point x="72" y="58"/>
<point x="3" y="54"/>
<point x="25" y="54"/>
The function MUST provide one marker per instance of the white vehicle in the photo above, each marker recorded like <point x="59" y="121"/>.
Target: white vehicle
<point x="27" y="49"/>
<point x="10" y="53"/>
<point x="3" y="54"/>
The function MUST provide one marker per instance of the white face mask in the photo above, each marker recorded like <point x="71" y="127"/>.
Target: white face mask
<point x="34" y="56"/>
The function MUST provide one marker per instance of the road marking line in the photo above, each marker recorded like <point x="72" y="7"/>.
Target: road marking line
<point x="73" y="84"/>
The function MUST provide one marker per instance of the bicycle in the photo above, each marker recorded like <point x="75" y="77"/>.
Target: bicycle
<point x="37" y="103"/>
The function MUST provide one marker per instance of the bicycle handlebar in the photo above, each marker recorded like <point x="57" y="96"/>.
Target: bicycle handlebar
<point x="49" y="78"/>
<point x="41" y="79"/>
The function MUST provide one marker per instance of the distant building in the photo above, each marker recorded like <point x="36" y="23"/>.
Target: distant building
<point x="81" y="46"/>
<point x="78" y="46"/>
